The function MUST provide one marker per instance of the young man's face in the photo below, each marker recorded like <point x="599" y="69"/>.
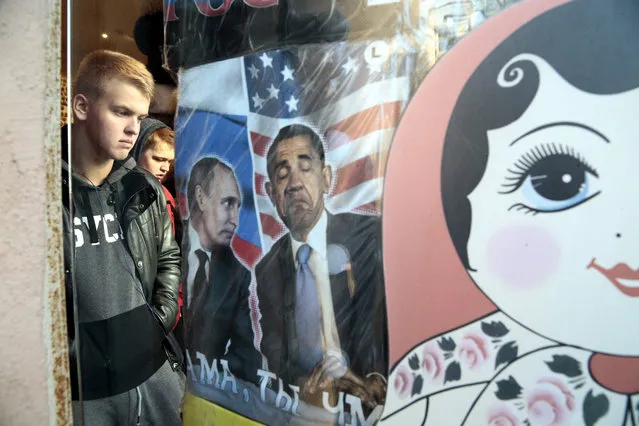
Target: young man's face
<point x="157" y="159"/>
<point x="113" y="119"/>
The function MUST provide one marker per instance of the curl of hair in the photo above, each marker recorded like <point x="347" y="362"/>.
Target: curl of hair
<point x="513" y="72"/>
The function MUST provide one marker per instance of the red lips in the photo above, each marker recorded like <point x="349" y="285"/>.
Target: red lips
<point x="620" y="271"/>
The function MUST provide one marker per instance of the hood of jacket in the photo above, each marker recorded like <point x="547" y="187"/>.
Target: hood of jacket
<point x="147" y="127"/>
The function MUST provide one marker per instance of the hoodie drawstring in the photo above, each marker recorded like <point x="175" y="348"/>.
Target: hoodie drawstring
<point x="137" y="389"/>
<point x="93" y="232"/>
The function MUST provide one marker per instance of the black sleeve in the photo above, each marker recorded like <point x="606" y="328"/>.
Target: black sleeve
<point x="167" y="278"/>
<point x="369" y="330"/>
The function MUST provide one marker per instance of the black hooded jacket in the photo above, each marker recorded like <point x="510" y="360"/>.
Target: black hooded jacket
<point x="127" y="274"/>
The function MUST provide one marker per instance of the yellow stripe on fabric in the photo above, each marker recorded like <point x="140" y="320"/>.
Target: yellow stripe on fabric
<point x="200" y="412"/>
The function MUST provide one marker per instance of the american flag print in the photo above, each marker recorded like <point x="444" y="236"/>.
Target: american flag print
<point x="233" y="109"/>
<point x="240" y="104"/>
<point x="353" y="105"/>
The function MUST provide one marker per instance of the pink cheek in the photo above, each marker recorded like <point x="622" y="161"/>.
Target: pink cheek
<point x="523" y="257"/>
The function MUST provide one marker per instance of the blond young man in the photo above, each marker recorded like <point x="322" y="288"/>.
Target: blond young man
<point x="121" y="260"/>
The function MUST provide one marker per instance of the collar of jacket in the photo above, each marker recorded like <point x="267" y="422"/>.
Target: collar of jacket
<point x="132" y="195"/>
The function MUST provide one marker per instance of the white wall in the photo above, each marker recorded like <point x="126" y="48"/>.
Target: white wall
<point x="33" y="371"/>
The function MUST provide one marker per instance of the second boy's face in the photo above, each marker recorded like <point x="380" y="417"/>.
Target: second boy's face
<point x="158" y="160"/>
<point x="113" y="120"/>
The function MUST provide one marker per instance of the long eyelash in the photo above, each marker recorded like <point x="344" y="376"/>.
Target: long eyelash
<point x="522" y="207"/>
<point x="519" y="170"/>
<point x="529" y="210"/>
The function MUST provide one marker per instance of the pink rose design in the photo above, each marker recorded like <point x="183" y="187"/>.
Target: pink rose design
<point x="474" y="351"/>
<point x="403" y="382"/>
<point x="550" y="403"/>
<point x="503" y="415"/>
<point x="433" y="362"/>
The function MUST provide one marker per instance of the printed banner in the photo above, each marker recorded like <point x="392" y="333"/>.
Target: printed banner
<point x="280" y="169"/>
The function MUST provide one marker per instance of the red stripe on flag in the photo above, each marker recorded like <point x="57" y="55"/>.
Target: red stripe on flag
<point x="246" y="251"/>
<point x="270" y="226"/>
<point x="260" y="143"/>
<point x="369" y="208"/>
<point x="379" y="117"/>
<point x="360" y="171"/>
<point x="182" y="205"/>
<point x="259" y="184"/>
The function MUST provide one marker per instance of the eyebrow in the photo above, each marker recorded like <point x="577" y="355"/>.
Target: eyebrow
<point x="129" y="111"/>
<point x="280" y="164"/>
<point x="299" y="157"/>
<point x="561" y="123"/>
<point x="231" y="198"/>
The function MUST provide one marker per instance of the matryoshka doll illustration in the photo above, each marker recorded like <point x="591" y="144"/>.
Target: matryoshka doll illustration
<point x="511" y="249"/>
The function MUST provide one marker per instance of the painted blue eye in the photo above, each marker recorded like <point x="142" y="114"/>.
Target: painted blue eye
<point x="554" y="182"/>
<point x="539" y="191"/>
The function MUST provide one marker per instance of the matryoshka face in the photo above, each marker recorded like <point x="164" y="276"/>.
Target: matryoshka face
<point x="553" y="240"/>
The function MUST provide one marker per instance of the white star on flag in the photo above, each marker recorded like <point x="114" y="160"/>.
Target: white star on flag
<point x="255" y="72"/>
<point x="287" y="73"/>
<point x="267" y="61"/>
<point x="374" y="68"/>
<point x="351" y="65"/>
<point x="273" y="92"/>
<point x="258" y="102"/>
<point x="332" y="87"/>
<point x="292" y="104"/>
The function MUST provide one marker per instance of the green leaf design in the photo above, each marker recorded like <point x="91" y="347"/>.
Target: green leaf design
<point x="453" y="372"/>
<point x="508" y="389"/>
<point x="447" y="344"/>
<point x="494" y="328"/>
<point x="417" y="385"/>
<point x="413" y="362"/>
<point x="566" y="365"/>
<point x="506" y="354"/>
<point x="595" y="407"/>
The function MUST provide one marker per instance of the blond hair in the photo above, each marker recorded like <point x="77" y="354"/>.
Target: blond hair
<point x="161" y="135"/>
<point x="101" y="66"/>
